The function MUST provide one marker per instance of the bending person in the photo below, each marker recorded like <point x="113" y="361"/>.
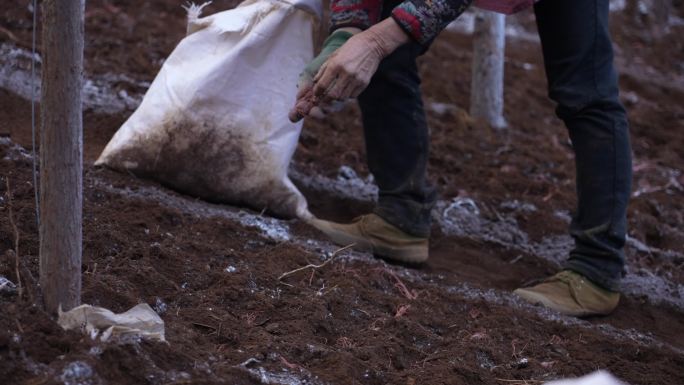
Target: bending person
<point x="371" y="55"/>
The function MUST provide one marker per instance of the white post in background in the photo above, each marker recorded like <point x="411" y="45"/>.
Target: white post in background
<point x="486" y="89"/>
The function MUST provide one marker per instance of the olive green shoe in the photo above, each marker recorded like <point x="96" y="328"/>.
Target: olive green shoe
<point x="372" y="233"/>
<point x="571" y="294"/>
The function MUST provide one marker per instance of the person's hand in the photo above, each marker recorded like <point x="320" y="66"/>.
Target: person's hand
<point x="304" y="103"/>
<point x="348" y="70"/>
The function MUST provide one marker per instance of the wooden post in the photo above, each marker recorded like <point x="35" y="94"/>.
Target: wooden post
<point x="61" y="154"/>
<point x="486" y="91"/>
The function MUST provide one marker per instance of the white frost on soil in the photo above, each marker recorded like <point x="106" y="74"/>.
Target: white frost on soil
<point x="285" y="377"/>
<point x="516" y="205"/>
<point x="346" y="185"/>
<point x="272" y="378"/>
<point x="644" y="248"/>
<point x="617" y="5"/>
<point x="657" y="288"/>
<point x="272" y="228"/>
<point x="78" y="373"/>
<point x="7" y="286"/>
<point x="462" y="217"/>
<point x="14" y="151"/>
<point x="99" y="93"/>
<point x="441" y="108"/>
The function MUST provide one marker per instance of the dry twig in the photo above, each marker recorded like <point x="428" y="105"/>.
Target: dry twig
<point x="316" y="267"/>
<point x="13" y="37"/>
<point x="345" y="343"/>
<point x="515" y="353"/>
<point x="402" y="310"/>
<point x="16" y="235"/>
<point x="434" y="356"/>
<point x="291" y="365"/>
<point x="204" y="326"/>
<point x="399" y="284"/>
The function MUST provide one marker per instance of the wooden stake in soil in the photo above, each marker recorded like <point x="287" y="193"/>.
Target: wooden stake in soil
<point x="61" y="154"/>
<point x="486" y="90"/>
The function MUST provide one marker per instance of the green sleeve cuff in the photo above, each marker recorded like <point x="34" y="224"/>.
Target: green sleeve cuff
<point x="331" y="44"/>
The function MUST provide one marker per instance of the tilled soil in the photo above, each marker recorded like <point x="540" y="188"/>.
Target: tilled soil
<point x="212" y="271"/>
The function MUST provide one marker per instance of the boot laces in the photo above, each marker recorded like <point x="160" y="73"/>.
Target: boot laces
<point x="573" y="280"/>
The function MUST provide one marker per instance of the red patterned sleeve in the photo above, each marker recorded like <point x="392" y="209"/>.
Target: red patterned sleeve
<point x="354" y="13"/>
<point x="423" y="20"/>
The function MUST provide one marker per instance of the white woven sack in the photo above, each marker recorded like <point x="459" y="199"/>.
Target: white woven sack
<point x="214" y="123"/>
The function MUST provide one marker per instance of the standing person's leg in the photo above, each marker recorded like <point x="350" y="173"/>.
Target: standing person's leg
<point x="397" y="139"/>
<point x="397" y="142"/>
<point x="582" y="80"/>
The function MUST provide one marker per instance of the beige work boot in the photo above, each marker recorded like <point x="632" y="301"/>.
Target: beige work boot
<point x="571" y="294"/>
<point x="372" y="233"/>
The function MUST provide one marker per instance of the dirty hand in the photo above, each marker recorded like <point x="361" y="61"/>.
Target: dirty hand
<point x="304" y="102"/>
<point x="349" y="70"/>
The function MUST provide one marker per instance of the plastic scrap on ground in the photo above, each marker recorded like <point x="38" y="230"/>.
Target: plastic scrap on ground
<point x="138" y="322"/>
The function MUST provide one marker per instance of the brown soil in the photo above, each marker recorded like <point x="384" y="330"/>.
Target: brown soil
<point x="350" y="322"/>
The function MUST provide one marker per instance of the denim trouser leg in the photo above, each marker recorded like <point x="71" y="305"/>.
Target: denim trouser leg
<point x="582" y="80"/>
<point x="397" y="142"/>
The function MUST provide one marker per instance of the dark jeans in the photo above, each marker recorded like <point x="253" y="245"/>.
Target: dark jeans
<point x="582" y="81"/>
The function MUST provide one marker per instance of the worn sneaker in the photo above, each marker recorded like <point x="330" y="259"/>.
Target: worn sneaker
<point x="372" y="233"/>
<point x="571" y="294"/>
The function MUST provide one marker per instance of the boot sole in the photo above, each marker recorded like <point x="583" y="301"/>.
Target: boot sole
<point x="539" y="299"/>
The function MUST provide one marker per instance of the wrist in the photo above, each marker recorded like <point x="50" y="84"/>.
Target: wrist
<point x="336" y="39"/>
<point x="387" y="36"/>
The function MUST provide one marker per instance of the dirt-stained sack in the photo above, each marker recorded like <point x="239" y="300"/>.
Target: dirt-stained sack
<point x="214" y="123"/>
